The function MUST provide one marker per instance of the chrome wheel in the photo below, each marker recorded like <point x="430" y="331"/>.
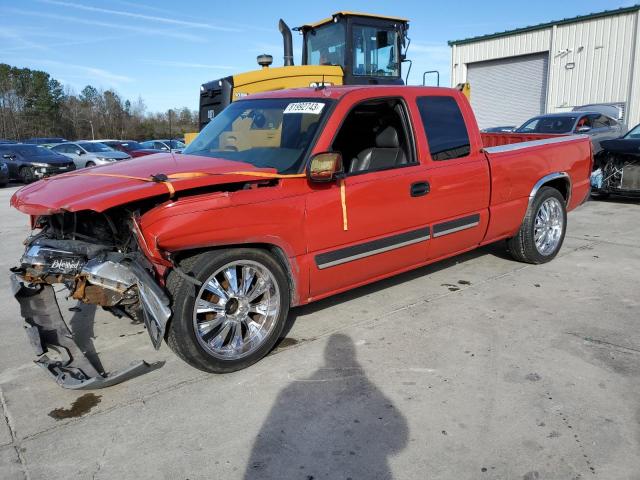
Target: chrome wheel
<point x="548" y="226"/>
<point x="236" y="309"/>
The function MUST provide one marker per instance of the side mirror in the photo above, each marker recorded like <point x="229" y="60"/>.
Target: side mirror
<point x="583" y="129"/>
<point x="79" y="152"/>
<point x="324" y="167"/>
<point x="8" y="156"/>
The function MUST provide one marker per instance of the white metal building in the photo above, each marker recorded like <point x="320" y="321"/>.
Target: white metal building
<point x="553" y="67"/>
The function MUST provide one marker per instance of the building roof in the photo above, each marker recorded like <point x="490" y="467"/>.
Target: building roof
<point x="542" y="26"/>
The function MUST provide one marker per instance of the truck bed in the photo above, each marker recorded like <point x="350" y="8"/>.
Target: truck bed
<point x="515" y="159"/>
<point x="498" y="139"/>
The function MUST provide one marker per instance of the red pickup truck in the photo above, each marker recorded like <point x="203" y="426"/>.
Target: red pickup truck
<point x="284" y="198"/>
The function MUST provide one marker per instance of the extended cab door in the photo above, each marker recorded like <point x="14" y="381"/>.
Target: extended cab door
<point x="383" y="226"/>
<point x="457" y="171"/>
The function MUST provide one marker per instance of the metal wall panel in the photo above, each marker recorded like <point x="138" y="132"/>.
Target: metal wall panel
<point x="591" y="61"/>
<point x="633" y="107"/>
<point x="508" y="91"/>
<point x="511" y="46"/>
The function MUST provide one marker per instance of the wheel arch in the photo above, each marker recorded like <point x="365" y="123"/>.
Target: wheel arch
<point x="561" y="181"/>
<point x="276" y="251"/>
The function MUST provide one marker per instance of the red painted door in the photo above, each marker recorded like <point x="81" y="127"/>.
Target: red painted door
<point x="387" y="229"/>
<point x="457" y="171"/>
<point x="386" y="205"/>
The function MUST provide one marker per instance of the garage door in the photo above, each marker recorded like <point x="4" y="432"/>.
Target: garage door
<point x="508" y="91"/>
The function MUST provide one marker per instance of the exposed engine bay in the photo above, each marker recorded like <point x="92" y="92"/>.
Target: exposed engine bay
<point x="97" y="258"/>
<point x="616" y="173"/>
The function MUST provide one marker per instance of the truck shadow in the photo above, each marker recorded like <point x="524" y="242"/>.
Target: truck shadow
<point x="333" y="424"/>
<point x="497" y="249"/>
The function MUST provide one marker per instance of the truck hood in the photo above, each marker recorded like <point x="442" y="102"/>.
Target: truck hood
<point x="94" y="189"/>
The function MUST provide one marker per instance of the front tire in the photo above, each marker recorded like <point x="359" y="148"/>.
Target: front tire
<point x="543" y="229"/>
<point x="236" y="316"/>
<point x="26" y="175"/>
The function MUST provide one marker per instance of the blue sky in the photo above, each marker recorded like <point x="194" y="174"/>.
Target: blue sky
<point x="162" y="50"/>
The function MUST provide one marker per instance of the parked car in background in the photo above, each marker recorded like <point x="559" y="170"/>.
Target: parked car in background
<point x="4" y="173"/>
<point x="135" y="149"/>
<point x="612" y="110"/>
<point x="598" y="126"/>
<point x="89" y="154"/>
<point x="164" y="145"/>
<point x="617" y="166"/>
<point x="32" y="162"/>
<point x="507" y="129"/>
<point x="43" y="140"/>
<point x="5" y="141"/>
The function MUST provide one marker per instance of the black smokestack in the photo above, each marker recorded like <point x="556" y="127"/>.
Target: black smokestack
<point x="288" y="42"/>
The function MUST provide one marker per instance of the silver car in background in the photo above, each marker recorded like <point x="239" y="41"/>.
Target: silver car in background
<point x="598" y="126"/>
<point x="89" y="154"/>
<point x="165" y="145"/>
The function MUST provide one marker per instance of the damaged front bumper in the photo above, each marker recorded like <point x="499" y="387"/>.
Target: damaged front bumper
<point x="51" y="338"/>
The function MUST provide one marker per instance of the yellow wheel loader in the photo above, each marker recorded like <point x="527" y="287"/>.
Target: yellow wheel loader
<point x="347" y="48"/>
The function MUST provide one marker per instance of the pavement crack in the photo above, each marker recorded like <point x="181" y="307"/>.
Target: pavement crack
<point x="606" y="242"/>
<point x="99" y="463"/>
<point x="603" y="342"/>
<point x="14" y="438"/>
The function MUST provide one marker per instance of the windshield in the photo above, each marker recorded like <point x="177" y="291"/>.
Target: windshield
<point x="375" y="52"/>
<point x="548" y="125"/>
<point x="268" y="133"/>
<point x="95" y="147"/>
<point x="634" y="133"/>
<point x="326" y="45"/>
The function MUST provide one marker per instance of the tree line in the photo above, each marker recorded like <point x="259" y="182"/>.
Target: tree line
<point x="33" y="104"/>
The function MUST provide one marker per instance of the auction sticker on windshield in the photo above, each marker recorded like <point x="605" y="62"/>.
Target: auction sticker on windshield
<point x="304" y="107"/>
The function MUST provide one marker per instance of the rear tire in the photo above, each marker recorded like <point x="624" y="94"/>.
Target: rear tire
<point x="218" y="327"/>
<point x="543" y="229"/>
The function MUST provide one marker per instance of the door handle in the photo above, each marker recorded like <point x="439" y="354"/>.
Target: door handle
<point x="419" y="189"/>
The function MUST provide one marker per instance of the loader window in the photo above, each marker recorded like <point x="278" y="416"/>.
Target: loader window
<point x="375" y="52"/>
<point x="266" y="133"/>
<point x="325" y="45"/>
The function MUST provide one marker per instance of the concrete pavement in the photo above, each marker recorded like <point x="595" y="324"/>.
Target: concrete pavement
<point x="475" y="368"/>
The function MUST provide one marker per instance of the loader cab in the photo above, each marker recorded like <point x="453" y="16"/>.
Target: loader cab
<point x="345" y="49"/>
<point x="369" y="48"/>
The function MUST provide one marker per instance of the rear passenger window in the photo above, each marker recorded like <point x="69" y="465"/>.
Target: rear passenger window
<point x="444" y="125"/>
